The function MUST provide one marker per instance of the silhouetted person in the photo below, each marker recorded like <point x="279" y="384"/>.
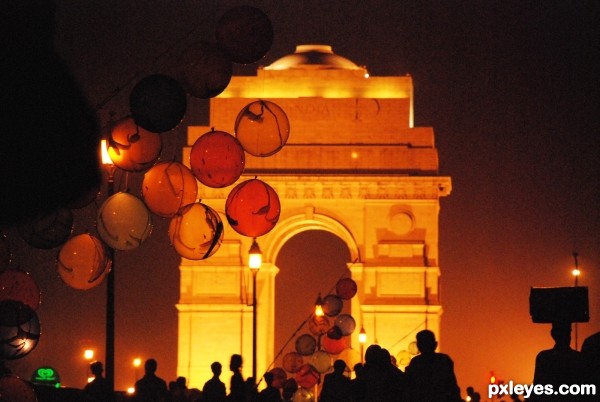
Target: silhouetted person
<point x="475" y="396"/>
<point x="430" y="375"/>
<point x="290" y="387"/>
<point x="270" y="393"/>
<point x="250" y="389"/>
<point x="150" y="388"/>
<point x="590" y="349"/>
<point x="383" y="381"/>
<point x="237" y="387"/>
<point x="336" y="386"/>
<point x="214" y="389"/>
<point x="559" y="365"/>
<point x="178" y="391"/>
<point x="357" y="384"/>
<point x="98" y="389"/>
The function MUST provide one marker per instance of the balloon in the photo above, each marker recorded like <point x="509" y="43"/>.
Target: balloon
<point x="346" y="324"/>
<point x="346" y="288"/>
<point x="19" y="286"/>
<point x="48" y="230"/>
<point x="132" y="148"/>
<point x="279" y="377"/>
<point x="318" y="325"/>
<point x="204" y="70"/>
<point x="158" y="103"/>
<point x="13" y="388"/>
<point x="262" y="128"/>
<point x="332" y="305"/>
<point x="246" y="34"/>
<point x="19" y="329"/>
<point x="334" y="346"/>
<point x="307" y="376"/>
<point x="123" y="221"/>
<point x="292" y="362"/>
<point x="83" y="262"/>
<point x="217" y="159"/>
<point x="321" y="361"/>
<point x="5" y="254"/>
<point x="334" y="332"/>
<point x="403" y="358"/>
<point x="306" y="344"/>
<point x="167" y="187"/>
<point x="252" y="208"/>
<point x="196" y="231"/>
<point x="413" y="349"/>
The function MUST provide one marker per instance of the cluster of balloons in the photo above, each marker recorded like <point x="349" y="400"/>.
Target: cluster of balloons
<point x="326" y="341"/>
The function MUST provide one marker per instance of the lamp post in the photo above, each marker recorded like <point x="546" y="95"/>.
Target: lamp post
<point x="110" y="282"/>
<point x="362" y="339"/>
<point x="88" y="355"/>
<point x="137" y="362"/>
<point x="576" y="272"/>
<point x="254" y="262"/>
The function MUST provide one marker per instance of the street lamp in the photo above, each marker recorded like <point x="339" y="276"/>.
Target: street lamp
<point x="319" y="306"/>
<point x="110" y="283"/>
<point x="576" y="272"/>
<point x="362" y="339"/>
<point x="254" y="262"/>
<point x="137" y="362"/>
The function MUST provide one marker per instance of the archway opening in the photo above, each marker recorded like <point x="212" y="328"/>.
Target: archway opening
<point x="310" y="263"/>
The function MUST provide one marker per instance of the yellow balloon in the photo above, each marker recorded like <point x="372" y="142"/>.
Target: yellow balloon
<point x="123" y="221"/>
<point x="196" y="231"/>
<point x="167" y="187"/>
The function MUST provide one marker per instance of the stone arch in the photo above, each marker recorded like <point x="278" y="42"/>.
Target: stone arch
<point x="298" y="223"/>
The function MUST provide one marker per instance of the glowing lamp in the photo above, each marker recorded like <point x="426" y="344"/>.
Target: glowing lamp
<point x="262" y="128"/>
<point x="362" y="336"/>
<point x="307" y="376"/>
<point x="88" y="354"/>
<point x="83" y="262"/>
<point x="196" y="231"/>
<point x="123" y="221"/>
<point x="19" y="330"/>
<point x="49" y="230"/>
<point x="346" y="323"/>
<point x="346" y="288"/>
<point x="332" y="305"/>
<point x="321" y="361"/>
<point x="306" y="344"/>
<point x="204" y="70"/>
<point x="130" y="147"/>
<point x="292" y="362"/>
<point x="252" y="208"/>
<point x="20" y="286"/>
<point x="158" y="103"/>
<point x="246" y="34"/>
<point x="319" y="307"/>
<point x="217" y="159"/>
<point x="167" y="187"/>
<point x="254" y="256"/>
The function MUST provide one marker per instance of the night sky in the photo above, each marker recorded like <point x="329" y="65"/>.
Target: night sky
<point x="511" y="90"/>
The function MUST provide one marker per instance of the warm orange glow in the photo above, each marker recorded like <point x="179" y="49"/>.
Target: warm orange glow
<point x="319" y="307"/>
<point x="362" y="336"/>
<point x="576" y="272"/>
<point x="254" y="256"/>
<point x="492" y="378"/>
<point x="137" y="362"/>
<point x="88" y="354"/>
<point x="131" y="390"/>
<point x="104" y="154"/>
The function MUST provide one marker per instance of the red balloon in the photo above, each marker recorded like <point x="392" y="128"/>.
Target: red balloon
<point x="334" y="346"/>
<point x="307" y="376"/>
<point x="20" y="286"/>
<point x="246" y="33"/>
<point x="252" y="208"/>
<point x="217" y="159"/>
<point x="292" y="362"/>
<point x="132" y="148"/>
<point x="346" y="288"/>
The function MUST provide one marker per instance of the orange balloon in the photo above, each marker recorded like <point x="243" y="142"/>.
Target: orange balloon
<point x="217" y="159"/>
<point x="196" y="231"/>
<point x="307" y="376"/>
<point x="334" y="346"/>
<point x="252" y="208"/>
<point x="292" y="362"/>
<point x="262" y="128"/>
<point x="167" y="187"/>
<point x="131" y="147"/>
<point x="83" y="262"/>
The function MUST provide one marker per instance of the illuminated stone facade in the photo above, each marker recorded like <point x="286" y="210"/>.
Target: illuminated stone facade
<point x="354" y="166"/>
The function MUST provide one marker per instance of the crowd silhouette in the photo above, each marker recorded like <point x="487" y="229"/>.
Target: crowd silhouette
<point x="429" y="377"/>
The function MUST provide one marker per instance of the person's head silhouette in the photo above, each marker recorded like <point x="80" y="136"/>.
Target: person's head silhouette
<point x="96" y="368"/>
<point x="235" y="363"/>
<point x="426" y="341"/>
<point x="339" y="366"/>
<point x="150" y="366"/>
<point x="269" y="377"/>
<point x="216" y="368"/>
<point x="561" y="333"/>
